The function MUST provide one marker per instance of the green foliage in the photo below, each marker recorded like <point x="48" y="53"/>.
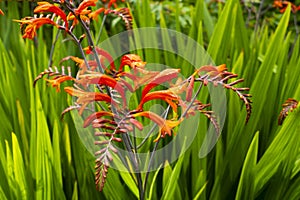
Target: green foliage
<point x="42" y="157"/>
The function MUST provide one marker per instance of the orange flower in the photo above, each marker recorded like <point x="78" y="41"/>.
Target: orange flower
<point x="112" y="3"/>
<point x="48" y="7"/>
<point x="164" y="76"/>
<point x="211" y="70"/>
<point x="32" y="24"/>
<point x="81" y="10"/>
<point x="93" y="15"/>
<point x="84" y="98"/>
<point x="165" y="126"/>
<point x="1" y="12"/>
<point x="103" y="79"/>
<point x="165" y="95"/>
<point x="283" y="5"/>
<point x="132" y="60"/>
<point x="57" y="81"/>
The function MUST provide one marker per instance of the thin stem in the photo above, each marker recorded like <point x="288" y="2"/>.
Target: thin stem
<point x="52" y="49"/>
<point x="152" y="156"/>
<point x="296" y="36"/>
<point x="193" y="100"/>
<point x="150" y="163"/>
<point x="101" y="29"/>
<point x="258" y="15"/>
<point x="80" y="48"/>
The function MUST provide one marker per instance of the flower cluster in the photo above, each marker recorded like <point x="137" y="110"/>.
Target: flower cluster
<point x="65" y="11"/>
<point x="109" y="91"/>
<point x="282" y="5"/>
<point x="102" y="88"/>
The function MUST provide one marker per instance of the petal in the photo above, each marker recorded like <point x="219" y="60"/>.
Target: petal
<point x="57" y="81"/>
<point x="103" y="79"/>
<point x="189" y="90"/>
<point x="48" y="7"/>
<point x="165" y="126"/>
<point x="165" y="95"/>
<point x="164" y="76"/>
<point x="132" y="60"/>
<point x="95" y="13"/>
<point x="84" y="4"/>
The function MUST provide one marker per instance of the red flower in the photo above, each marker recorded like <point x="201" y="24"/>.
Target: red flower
<point x="284" y="4"/>
<point x="48" y="7"/>
<point x="103" y="79"/>
<point x="1" y="12"/>
<point x="84" y="5"/>
<point x="84" y="98"/>
<point x="164" y="76"/>
<point x="32" y="24"/>
<point x="132" y="60"/>
<point x="112" y="3"/>
<point x="165" y="126"/>
<point x="95" y="13"/>
<point x="57" y="81"/>
<point x="165" y="95"/>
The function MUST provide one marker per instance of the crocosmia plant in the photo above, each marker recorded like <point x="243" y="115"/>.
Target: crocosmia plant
<point x="102" y="87"/>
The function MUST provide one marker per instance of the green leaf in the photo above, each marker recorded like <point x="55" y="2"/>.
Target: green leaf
<point x="245" y="188"/>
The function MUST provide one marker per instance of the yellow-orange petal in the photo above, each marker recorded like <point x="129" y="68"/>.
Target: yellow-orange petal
<point x="74" y="92"/>
<point x="57" y="81"/>
<point x="132" y="60"/>
<point x="165" y="126"/>
<point x="48" y="7"/>
<point x="1" y="12"/>
<point x="93" y="15"/>
<point x="84" y="4"/>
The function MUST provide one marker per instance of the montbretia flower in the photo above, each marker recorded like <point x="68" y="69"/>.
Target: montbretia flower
<point x="165" y="126"/>
<point x="32" y="24"/>
<point x="112" y="3"/>
<point x="164" y="76"/>
<point x="84" y="5"/>
<point x="48" y="7"/>
<point x="164" y="95"/>
<point x="282" y="5"/>
<point x="57" y="81"/>
<point x="84" y="98"/>
<point x="1" y="12"/>
<point x="94" y="15"/>
<point x="132" y="60"/>
<point x="102" y="79"/>
<point x="211" y="70"/>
